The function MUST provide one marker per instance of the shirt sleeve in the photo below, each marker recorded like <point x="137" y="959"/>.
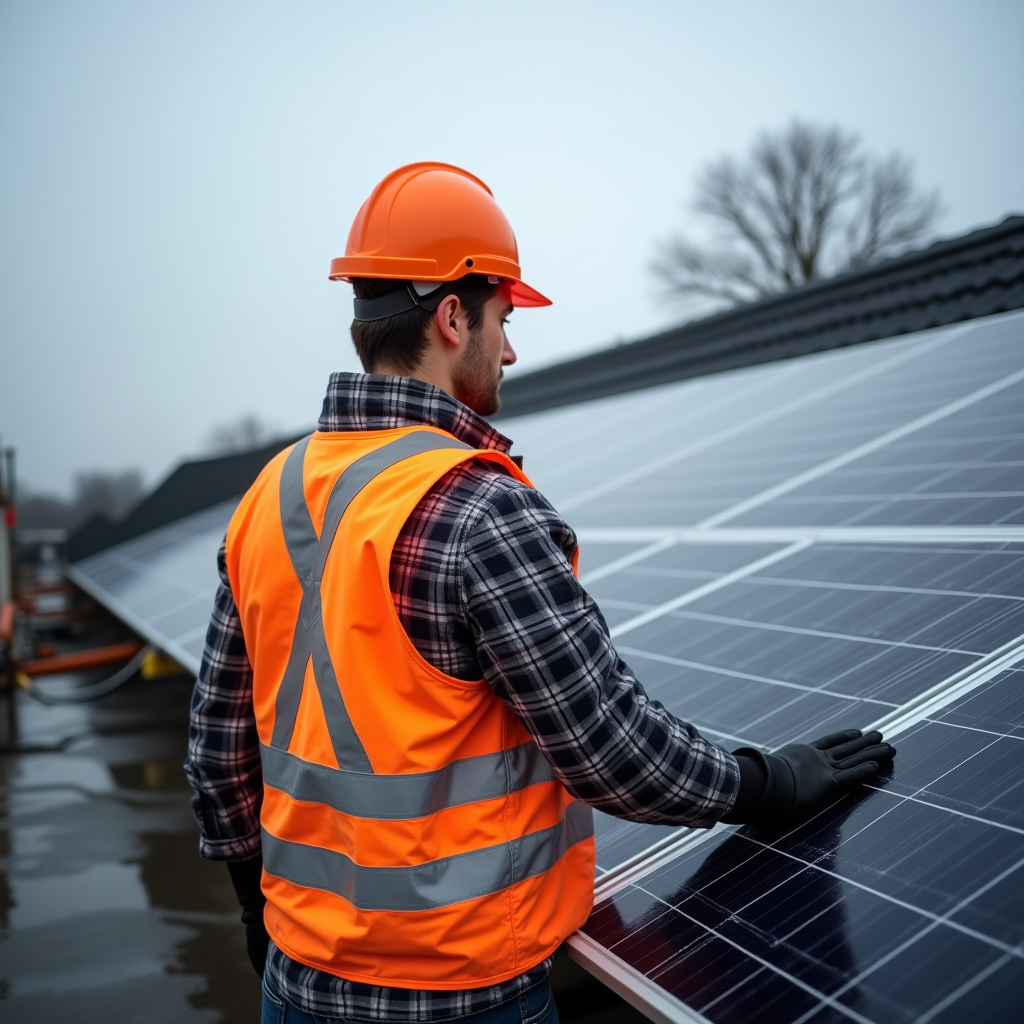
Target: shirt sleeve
<point x="223" y="765"/>
<point x="544" y="646"/>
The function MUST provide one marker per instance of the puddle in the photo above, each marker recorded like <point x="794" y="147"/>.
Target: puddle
<point x="41" y="771"/>
<point x="107" y="911"/>
<point x="54" y="897"/>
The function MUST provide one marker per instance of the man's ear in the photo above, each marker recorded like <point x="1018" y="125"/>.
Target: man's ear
<point x="449" y="316"/>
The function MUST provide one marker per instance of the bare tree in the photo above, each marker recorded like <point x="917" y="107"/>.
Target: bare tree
<point x="805" y="204"/>
<point x="96" y="491"/>
<point x="240" y="435"/>
<point x="113" y="494"/>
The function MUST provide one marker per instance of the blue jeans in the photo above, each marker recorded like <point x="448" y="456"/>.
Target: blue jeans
<point x="535" y="1006"/>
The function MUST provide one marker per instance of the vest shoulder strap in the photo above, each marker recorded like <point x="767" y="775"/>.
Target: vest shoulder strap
<point x="309" y="554"/>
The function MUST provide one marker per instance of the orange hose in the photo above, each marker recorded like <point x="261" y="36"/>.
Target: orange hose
<point x="75" y="661"/>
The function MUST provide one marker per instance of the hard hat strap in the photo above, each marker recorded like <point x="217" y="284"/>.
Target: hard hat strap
<point x="425" y="294"/>
<point x="401" y="301"/>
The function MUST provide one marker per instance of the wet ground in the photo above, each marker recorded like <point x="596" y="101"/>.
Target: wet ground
<point x="107" y="912"/>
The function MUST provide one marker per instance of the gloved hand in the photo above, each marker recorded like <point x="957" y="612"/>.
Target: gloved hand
<point x="801" y="779"/>
<point x="246" y="876"/>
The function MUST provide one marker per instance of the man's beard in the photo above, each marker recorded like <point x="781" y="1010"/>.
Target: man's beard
<point x="476" y="380"/>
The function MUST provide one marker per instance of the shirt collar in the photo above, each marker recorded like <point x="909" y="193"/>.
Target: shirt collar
<point x="373" y="401"/>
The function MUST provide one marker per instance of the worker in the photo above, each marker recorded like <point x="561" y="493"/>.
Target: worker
<point x="407" y="704"/>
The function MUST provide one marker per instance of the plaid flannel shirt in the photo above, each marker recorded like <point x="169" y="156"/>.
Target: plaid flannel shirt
<point x="482" y="582"/>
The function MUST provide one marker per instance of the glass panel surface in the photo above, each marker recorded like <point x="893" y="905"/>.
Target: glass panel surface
<point x="678" y="454"/>
<point x="827" y="633"/>
<point x="890" y="906"/>
<point x="833" y="637"/>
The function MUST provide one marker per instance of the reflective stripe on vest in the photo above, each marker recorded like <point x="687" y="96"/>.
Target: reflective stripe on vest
<point x="438" y="883"/>
<point x="354" y="788"/>
<point x="414" y="795"/>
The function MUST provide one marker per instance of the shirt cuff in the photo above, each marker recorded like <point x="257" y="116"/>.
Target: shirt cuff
<point x="230" y="849"/>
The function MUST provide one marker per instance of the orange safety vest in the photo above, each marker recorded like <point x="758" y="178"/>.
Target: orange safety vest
<point x="413" y="834"/>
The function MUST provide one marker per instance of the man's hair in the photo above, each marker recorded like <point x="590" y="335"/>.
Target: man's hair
<point x="400" y="340"/>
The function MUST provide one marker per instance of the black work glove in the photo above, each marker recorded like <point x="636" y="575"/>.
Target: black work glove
<point x="245" y="877"/>
<point x="801" y="779"/>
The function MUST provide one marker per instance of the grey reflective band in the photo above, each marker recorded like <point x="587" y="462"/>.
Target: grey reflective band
<point x="437" y="883"/>
<point x="302" y="541"/>
<point x="308" y="555"/>
<point x="299" y="534"/>
<point x="402" y="797"/>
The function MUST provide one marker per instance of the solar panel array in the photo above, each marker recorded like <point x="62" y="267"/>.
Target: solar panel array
<point x="162" y="583"/>
<point x="781" y="551"/>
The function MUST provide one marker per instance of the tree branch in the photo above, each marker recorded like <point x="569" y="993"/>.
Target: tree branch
<point x="805" y="204"/>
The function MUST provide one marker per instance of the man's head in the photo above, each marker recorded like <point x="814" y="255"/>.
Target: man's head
<point x="460" y="345"/>
<point x="440" y="226"/>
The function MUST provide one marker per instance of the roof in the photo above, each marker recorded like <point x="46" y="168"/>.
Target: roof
<point x="193" y="486"/>
<point x="960" y="279"/>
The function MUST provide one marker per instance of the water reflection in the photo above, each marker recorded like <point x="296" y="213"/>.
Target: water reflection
<point x="106" y="910"/>
<point x="747" y="927"/>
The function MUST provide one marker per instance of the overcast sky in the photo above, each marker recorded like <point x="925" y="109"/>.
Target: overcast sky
<point x="176" y="177"/>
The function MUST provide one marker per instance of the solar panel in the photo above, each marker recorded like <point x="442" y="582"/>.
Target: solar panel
<point x="964" y="468"/>
<point x="585" y="453"/>
<point x="906" y="903"/>
<point x="701" y="458"/>
<point x="162" y="583"/>
<point x="780" y="551"/>
<point x="828" y="636"/>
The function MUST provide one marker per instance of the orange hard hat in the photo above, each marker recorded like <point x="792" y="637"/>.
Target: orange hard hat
<point x="433" y="222"/>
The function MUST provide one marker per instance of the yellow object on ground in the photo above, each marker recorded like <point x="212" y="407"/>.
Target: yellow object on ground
<point x="157" y="665"/>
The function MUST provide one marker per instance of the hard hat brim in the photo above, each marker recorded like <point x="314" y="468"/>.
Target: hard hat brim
<point x="524" y="296"/>
<point x="344" y="268"/>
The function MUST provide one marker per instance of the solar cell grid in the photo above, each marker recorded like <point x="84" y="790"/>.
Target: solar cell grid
<point x="964" y="469"/>
<point x="619" y="841"/>
<point x="595" y="558"/>
<point x="996" y="707"/>
<point x="891" y="906"/>
<point x="705" y="486"/>
<point x="598" y="448"/>
<point x="869" y="640"/>
<point x="987" y="569"/>
<point x="829" y="636"/>
<point x="666" y="574"/>
<point x="568" y="450"/>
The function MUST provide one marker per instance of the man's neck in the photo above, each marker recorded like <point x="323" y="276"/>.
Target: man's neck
<point x="437" y="376"/>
